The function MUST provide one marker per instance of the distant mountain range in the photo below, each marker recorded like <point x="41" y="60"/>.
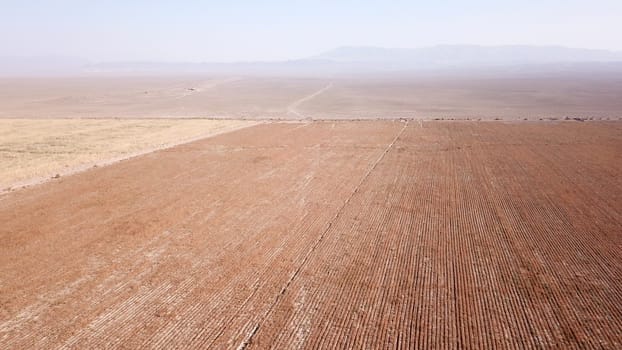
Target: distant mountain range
<point x="340" y="60"/>
<point x="467" y="56"/>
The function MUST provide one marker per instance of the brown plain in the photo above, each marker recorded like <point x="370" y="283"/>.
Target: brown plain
<point x="509" y="97"/>
<point x="385" y="234"/>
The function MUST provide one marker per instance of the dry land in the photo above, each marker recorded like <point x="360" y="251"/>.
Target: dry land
<point x="385" y="234"/>
<point x="35" y="149"/>
<point x="478" y="96"/>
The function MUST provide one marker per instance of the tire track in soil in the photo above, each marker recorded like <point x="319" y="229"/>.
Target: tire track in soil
<point x="452" y="243"/>
<point x="456" y="235"/>
<point x="283" y="290"/>
<point x="187" y="288"/>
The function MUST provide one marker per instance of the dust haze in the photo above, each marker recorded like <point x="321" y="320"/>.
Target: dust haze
<point x="355" y="197"/>
<point x="443" y="82"/>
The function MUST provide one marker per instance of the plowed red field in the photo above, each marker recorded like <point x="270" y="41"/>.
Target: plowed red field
<point x="327" y="235"/>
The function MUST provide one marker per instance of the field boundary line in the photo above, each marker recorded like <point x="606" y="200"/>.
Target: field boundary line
<point x="39" y="180"/>
<point x="256" y="328"/>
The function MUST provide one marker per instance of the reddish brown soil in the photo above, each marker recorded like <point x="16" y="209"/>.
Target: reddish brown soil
<point x="349" y="235"/>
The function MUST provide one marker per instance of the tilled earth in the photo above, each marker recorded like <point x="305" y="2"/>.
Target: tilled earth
<point x="327" y="235"/>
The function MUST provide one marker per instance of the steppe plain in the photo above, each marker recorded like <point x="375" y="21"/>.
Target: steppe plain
<point x="348" y="214"/>
<point x="486" y="97"/>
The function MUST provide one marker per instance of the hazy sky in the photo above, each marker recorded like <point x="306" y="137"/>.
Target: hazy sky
<point x="285" y="29"/>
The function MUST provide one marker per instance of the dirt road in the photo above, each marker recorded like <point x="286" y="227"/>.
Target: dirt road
<point x="292" y="109"/>
<point x="349" y="235"/>
<point x="385" y="96"/>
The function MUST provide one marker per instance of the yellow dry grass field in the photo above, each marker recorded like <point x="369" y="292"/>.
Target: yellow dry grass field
<point x="32" y="150"/>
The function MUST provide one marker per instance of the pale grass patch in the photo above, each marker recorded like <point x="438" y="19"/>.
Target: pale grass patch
<point x="41" y="148"/>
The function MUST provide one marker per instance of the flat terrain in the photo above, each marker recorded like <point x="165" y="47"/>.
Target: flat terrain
<point x="35" y="149"/>
<point x="477" y="96"/>
<point x="153" y="97"/>
<point x="327" y="234"/>
<point x="471" y="97"/>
